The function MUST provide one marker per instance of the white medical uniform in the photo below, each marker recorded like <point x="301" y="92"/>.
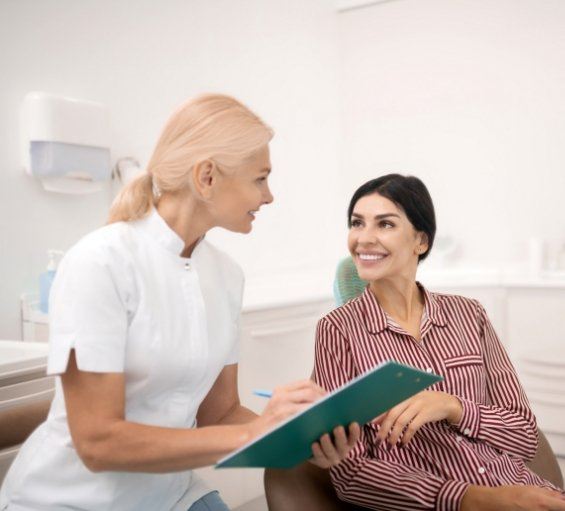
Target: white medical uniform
<point x="125" y="301"/>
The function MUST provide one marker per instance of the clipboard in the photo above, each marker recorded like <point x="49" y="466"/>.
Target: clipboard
<point x="360" y="400"/>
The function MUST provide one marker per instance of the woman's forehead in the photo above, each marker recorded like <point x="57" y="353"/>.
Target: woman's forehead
<point x="375" y="204"/>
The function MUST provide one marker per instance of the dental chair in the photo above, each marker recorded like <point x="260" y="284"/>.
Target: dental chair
<point x="16" y="424"/>
<point x="309" y="488"/>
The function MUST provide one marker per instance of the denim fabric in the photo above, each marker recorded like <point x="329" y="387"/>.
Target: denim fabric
<point x="210" y="502"/>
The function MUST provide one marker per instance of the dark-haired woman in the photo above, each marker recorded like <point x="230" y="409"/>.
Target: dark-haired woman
<point x="463" y="444"/>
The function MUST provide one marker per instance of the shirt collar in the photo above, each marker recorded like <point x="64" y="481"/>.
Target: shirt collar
<point x="155" y="227"/>
<point x="377" y="320"/>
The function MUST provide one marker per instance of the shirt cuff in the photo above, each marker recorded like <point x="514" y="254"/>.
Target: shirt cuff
<point x="470" y="422"/>
<point x="450" y="496"/>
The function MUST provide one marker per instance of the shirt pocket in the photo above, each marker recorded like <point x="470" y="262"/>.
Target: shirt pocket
<point x="465" y="376"/>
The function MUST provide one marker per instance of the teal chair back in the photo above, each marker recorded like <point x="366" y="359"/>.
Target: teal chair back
<point x="347" y="284"/>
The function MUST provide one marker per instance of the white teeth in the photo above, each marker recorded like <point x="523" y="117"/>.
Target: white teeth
<point x="371" y="257"/>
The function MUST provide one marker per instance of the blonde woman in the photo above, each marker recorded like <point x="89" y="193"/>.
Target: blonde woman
<point x="144" y="325"/>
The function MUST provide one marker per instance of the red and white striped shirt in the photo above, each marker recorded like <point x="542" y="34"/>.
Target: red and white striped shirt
<point x="497" y="432"/>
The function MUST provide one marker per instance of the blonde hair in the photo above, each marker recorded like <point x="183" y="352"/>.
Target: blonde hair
<point x="209" y="127"/>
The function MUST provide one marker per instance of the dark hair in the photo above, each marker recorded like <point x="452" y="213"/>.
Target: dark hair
<point x="409" y="194"/>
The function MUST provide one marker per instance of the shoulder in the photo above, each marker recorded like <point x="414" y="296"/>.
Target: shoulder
<point x="98" y="265"/>
<point x="342" y="321"/>
<point x="457" y="305"/>
<point x="345" y="314"/>
<point x="106" y="247"/>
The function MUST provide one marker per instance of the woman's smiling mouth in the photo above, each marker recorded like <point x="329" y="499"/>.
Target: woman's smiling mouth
<point x="371" y="257"/>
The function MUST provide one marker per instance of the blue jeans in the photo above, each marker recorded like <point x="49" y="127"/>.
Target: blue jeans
<point x="210" y="502"/>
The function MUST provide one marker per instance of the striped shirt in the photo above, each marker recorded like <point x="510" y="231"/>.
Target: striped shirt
<point x="497" y="432"/>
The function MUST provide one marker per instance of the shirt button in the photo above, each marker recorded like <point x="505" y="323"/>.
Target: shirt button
<point x="429" y="370"/>
<point x="459" y="438"/>
<point x="187" y="266"/>
<point x="467" y="431"/>
<point x="482" y="470"/>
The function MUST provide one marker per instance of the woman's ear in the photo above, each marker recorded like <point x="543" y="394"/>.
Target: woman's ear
<point x="204" y="177"/>
<point x="423" y="243"/>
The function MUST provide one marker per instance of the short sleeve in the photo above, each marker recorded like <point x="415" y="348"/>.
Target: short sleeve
<point x="87" y="313"/>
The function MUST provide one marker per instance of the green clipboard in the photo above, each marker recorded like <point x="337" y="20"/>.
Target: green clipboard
<point x="359" y="400"/>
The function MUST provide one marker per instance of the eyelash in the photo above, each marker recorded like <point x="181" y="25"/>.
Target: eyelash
<point x="382" y="223"/>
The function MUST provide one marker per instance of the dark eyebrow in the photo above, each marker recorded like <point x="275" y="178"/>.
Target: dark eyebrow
<point x="378" y="217"/>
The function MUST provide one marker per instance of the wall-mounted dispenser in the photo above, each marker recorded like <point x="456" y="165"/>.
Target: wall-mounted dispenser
<point x="66" y="142"/>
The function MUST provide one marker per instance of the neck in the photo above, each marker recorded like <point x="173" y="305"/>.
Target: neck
<point x="399" y="296"/>
<point x="186" y="216"/>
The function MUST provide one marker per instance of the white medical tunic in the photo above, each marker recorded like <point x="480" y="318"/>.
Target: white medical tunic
<point x="125" y="301"/>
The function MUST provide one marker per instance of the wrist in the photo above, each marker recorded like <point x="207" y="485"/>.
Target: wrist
<point x="255" y="427"/>
<point x="455" y="412"/>
<point x="244" y="433"/>
<point x="476" y="497"/>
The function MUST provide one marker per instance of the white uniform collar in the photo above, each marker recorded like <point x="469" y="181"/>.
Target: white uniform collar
<point x="154" y="226"/>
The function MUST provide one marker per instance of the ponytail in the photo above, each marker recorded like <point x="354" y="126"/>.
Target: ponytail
<point x="134" y="200"/>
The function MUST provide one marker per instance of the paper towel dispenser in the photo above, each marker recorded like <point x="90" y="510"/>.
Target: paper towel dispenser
<point x="66" y="142"/>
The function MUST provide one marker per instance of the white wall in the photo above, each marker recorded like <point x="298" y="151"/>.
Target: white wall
<point x="468" y="95"/>
<point x="143" y="58"/>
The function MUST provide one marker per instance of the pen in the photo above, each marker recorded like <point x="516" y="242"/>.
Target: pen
<point x="263" y="393"/>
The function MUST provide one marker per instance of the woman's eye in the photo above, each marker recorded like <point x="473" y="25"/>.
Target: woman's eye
<point x="355" y="223"/>
<point x="387" y="225"/>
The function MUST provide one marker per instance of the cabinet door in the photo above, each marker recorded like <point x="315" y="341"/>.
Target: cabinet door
<point x="536" y="320"/>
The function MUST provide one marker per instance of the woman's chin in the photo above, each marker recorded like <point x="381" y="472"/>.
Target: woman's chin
<point x="368" y="275"/>
<point x="243" y="228"/>
<point x="372" y="274"/>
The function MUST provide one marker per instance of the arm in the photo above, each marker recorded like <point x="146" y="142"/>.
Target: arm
<point x="512" y="498"/>
<point x="105" y="440"/>
<point x="222" y="405"/>
<point x="507" y="423"/>
<point x="362" y="478"/>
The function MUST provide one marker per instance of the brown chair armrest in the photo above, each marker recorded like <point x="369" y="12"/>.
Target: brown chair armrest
<point x="305" y="487"/>
<point x="545" y="463"/>
<point x="17" y="423"/>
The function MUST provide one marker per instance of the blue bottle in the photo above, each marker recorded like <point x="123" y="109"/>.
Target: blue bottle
<point x="46" y="279"/>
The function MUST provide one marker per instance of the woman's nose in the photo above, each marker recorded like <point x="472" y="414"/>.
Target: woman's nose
<point x="268" y="198"/>
<point x="367" y="236"/>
